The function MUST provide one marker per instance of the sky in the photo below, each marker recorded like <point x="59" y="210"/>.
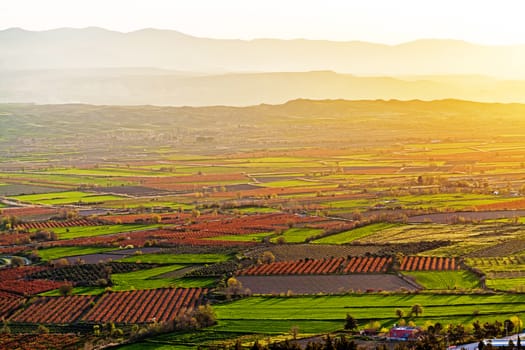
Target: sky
<point x="497" y="22"/>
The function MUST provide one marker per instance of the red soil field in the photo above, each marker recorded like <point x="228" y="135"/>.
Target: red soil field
<point x="13" y="238"/>
<point x="55" y="310"/>
<point x="510" y="205"/>
<point x="8" y="303"/>
<point x="56" y="224"/>
<point x="14" y="273"/>
<point x="142" y="306"/>
<point x="429" y="263"/>
<point x="28" y="288"/>
<point x="26" y="213"/>
<point x="321" y="266"/>
<point x="40" y="341"/>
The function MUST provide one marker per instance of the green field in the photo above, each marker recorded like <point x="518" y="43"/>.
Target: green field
<point x="507" y="284"/>
<point x="176" y="258"/>
<point x="353" y="235"/>
<point x="90" y="231"/>
<point x="184" y="340"/>
<point x="66" y="180"/>
<point x="144" y="279"/>
<point x="445" y="279"/>
<point x="132" y="203"/>
<point x="147" y="279"/>
<point x="76" y="291"/>
<point x="254" y="237"/>
<point x="454" y="308"/>
<point x="69" y="197"/>
<point x="445" y="200"/>
<point x="106" y="172"/>
<point x="63" y="252"/>
<point x="251" y="210"/>
<point x="297" y="235"/>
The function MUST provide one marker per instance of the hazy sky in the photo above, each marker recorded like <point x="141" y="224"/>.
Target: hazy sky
<point x="385" y="21"/>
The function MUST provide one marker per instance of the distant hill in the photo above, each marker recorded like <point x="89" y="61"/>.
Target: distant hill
<point x="139" y="86"/>
<point x="68" y="48"/>
<point x="91" y="133"/>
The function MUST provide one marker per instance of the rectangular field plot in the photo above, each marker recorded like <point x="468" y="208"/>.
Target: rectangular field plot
<point x="53" y="310"/>
<point x="507" y="284"/>
<point x="22" y="189"/>
<point x="145" y="305"/>
<point x="364" y="307"/>
<point x="353" y="235"/>
<point x="92" y="231"/>
<point x="297" y="235"/>
<point x="444" y="280"/>
<point x="177" y="258"/>
<point x="61" y="252"/>
<point x="70" y="197"/>
<point x="313" y="284"/>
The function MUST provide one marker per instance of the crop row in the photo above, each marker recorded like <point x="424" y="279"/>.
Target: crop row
<point x="40" y="341"/>
<point x="88" y="274"/>
<point x="193" y="234"/>
<point x="321" y="266"/>
<point x="145" y="305"/>
<point x="54" y="310"/>
<point x="8" y="303"/>
<point x="56" y="224"/>
<point x="28" y="212"/>
<point x="12" y="249"/>
<point x="28" y="288"/>
<point x="499" y="261"/>
<point x="428" y="263"/>
<point x="367" y="264"/>
<point x="141" y="238"/>
<point x="171" y="218"/>
<point x="7" y="239"/>
<point x="14" y="273"/>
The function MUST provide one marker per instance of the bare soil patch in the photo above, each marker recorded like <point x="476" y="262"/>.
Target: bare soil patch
<point x="313" y="284"/>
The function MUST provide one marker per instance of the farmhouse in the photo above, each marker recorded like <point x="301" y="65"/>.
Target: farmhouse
<point x="403" y="333"/>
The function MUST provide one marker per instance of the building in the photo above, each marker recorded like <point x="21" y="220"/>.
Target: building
<point x="403" y="333"/>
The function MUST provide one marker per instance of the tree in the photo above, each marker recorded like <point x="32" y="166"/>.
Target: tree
<point x="350" y="323"/>
<point x="205" y="316"/>
<point x="400" y="313"/>
<point x="17" y="261"/>
<point x="508" y="327"/>
<point x="233" y="287"/>
<point x="65" y="289"/>
<point x="267" y="257"/>
<point x="417" y="309"/>
<point x="294" y="331"/>
<point x="42" y="329"/>
<point x="257" y="346"/>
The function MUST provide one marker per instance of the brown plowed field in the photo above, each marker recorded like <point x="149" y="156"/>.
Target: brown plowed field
<point x="313" y="284"/>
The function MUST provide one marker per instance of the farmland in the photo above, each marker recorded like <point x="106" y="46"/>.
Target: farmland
<point x="274" y="229"/>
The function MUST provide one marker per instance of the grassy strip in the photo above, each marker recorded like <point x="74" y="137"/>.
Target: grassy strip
<point x="62" y="252"/>
<point x="255" y="237"/>
<point x="297" y="235"/>
<point x="353" y="235"/>
<point x="69" y="197"/>
<point x="92" y="231"/>
<point x="145" y="279"/>
<point x="371" y="306"/>
<point x="176" y="258"/>
<point x="442" y="280"/>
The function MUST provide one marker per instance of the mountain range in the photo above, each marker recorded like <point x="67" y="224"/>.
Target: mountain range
<point x="151" y="66"/>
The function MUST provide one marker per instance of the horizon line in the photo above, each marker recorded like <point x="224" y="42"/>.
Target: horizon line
<point x="443" y="39"/>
